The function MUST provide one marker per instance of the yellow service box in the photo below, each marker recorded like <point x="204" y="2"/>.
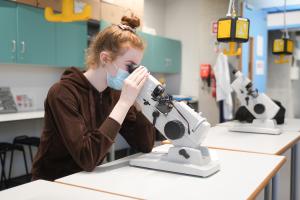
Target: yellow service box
<point x="283" y="46"/>
<point x="233" y="29"/>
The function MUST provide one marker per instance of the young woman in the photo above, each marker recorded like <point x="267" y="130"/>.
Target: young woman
<point x="85" y="111"/>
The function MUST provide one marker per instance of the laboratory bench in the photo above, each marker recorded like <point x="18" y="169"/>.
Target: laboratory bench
<point x="219" y="137"/>
<point x="242" y="176"/>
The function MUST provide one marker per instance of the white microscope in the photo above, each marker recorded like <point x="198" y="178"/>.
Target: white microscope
<point x="258" y="104"/>
<point x="180" y="124"/>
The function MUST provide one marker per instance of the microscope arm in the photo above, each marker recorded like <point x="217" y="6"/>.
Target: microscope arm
<point x="259" y="104"/>
<point x="175" y="120"/>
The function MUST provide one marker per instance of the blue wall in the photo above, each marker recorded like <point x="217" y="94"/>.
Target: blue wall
<point x="258" y="26"/>
<point x="272" y="4"/>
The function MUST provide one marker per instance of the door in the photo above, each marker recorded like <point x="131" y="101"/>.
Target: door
<point x="36" y="37"/>
<point x="8" y="34"/>
<point x="71" y="40"/>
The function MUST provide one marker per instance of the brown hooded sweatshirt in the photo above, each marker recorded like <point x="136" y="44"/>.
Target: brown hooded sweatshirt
<point x="77" y="131"/>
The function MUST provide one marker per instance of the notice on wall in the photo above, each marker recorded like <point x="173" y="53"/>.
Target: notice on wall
<point x="214" y="27"/>
<point x="260" y="67"/>
<point x="259" y="45"/>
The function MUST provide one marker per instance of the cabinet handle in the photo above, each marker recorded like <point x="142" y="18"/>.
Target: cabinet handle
<point x="23" y="47"/>
<point x="13" y="46"/>
<point x="168" y="62"/>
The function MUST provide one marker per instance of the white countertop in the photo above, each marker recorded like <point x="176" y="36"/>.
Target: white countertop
<point x="21" y="116"/>
<point x="290" y="124"/>
<point x="46" y="190"/>
<point x="221" y="138"/>
<point x="242" y="176"/>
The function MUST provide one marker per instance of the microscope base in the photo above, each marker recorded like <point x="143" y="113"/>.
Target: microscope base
<point x="257" y="126"/>
<point x="159" y="161"/>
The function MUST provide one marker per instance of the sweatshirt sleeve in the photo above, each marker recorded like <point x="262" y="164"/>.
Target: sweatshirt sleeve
<point x="138" y="131"/>
<point x="87" y="147"/>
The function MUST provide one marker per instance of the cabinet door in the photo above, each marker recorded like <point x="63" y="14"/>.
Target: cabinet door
<point x="36" y="37"/>
<point x="104" y="24"/>
<point x="8" y="33"/>
<point x="71" y="40"/>
<point x="166" y="55"/>
<point x="148" y="52"/>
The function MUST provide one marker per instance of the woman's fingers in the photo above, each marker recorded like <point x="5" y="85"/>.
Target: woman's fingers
<point x="139" y="77"/>
<point x="133" y="74"/>
<point x="136" y="77"/>
<point x="142" y="82"/>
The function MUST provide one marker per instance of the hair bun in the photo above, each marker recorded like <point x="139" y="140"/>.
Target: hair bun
<point x="132" y="21"/>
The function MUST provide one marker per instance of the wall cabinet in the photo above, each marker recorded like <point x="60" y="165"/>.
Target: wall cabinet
<point x="36" y="38"/>
<point x="71" y="43"/>
<point x="8" y="35"/>
<point x="29" y="39"/>
<point x="162" y="55"/>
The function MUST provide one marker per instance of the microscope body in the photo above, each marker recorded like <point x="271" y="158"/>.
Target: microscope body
<point x="258" y="104"/>
<point x="182" y="126"/>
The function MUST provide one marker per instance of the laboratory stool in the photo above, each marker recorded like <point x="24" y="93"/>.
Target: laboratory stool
<point x="4" y="148"/>
<point x="28" y="141"/>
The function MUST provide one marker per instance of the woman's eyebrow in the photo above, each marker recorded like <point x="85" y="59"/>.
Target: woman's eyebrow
<point x="131" y="62"/>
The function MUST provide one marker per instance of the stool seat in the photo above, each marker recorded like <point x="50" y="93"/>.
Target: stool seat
<point x="25" y="140"/>
<point x="4" y="147"/>
<point x="29" y="141"/>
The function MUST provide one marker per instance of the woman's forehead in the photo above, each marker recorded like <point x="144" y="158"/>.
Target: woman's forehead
<point x="132" y="54"/>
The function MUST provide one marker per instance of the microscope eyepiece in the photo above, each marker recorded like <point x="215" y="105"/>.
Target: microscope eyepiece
<point x="132" y="67"/>
<point x="234" y="71"/>
<point x="249" y="86"/>
<point x="158" y="91"/>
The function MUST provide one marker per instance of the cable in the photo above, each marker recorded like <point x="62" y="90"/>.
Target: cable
<point x="229" y="9"/>
<point x="284" y="21"/>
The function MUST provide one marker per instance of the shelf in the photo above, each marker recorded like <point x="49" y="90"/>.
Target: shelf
<point x="21" y="116"/>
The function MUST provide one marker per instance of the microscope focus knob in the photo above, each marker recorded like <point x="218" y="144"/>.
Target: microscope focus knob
<point x="259" y="108"/>
<point x="174" y="129"/>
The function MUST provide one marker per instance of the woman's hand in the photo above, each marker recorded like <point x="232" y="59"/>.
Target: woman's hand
<point x="133" y="84"/>
<point x="131" y="88"/>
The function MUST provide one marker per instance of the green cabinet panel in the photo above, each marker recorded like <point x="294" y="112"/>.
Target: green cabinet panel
<point x="36" y="37"/>
<point x="27" y="38"/>
<point x="161" y="55"/>
<point x="167" y="55"/>
<point x="8" y="33"/>
<point x="148" y="52"/>
<point x="71" y="43"/>
<point x="104" y="24"/>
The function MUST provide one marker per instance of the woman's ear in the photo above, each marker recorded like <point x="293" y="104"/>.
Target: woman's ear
<point x="104" y="57"/>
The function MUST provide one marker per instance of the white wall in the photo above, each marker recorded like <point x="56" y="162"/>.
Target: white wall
<point x="259" y="4"/>
<point x="34" y="81"/>
<point x="154" y="15"/>
<point x="277" y="19"/>
<point x="279" y="85"/>
<point x="190" y="22"/>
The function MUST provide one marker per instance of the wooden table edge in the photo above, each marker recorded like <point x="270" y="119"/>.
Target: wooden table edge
<point x="99" y="190"/>
<point x="267" y="179"/>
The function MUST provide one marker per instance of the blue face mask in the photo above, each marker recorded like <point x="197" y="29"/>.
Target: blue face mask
<point x="116" y="82"/>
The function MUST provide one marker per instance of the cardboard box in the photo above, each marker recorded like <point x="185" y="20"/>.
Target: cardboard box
<point x="114" y="13"/>
<point x="28" y="2"/>
<point x="78" y="6"/>
<point x="96" y="8"/>
<point x="135" y="5"/>
<point x="55" y="4"/>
